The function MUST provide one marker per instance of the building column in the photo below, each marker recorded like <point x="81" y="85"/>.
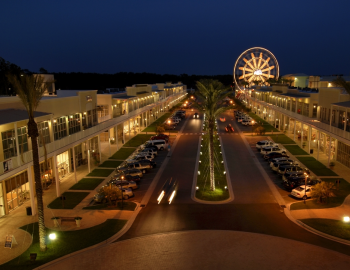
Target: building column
<point x="31" y="189"/>
<point x="318" y="144"/>
<point x="302" y="134"/>
<point x="309" y="138"/>
<point x="57" y="179"/>
<point x="123" y="135"/>
<point x="74" y="165"/>
<point x="99" y="147"/>
<point x="109" y="142"/>
<point x="129" y="129"/>
<point x="116" y="135"/>
<point x="19" y="162"/>
<point x="329" y="149"/>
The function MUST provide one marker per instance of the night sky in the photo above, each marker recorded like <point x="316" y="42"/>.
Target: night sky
<point x="194" y="37"/>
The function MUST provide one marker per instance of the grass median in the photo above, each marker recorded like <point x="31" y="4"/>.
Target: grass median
<point x="129" y="206"/>
<point x="153" y="127"/>
<point x="123" y="153"/>
<point x="316" y="167"/>
<point x="282" y="139"/>
<point x="295" y="150"/>
<point x="87" y="184"/>
<point x="203" y="179"/>
<point x="66" y="242"/>
<point x="110" y="164"/>
<point x="332" y="227"/>
<point x="101" y="172"/>
<point x="263" y="123"/>
<point x="341" y="194"/>
<point x="138" y="140"/>
<point x="72" y="199"/>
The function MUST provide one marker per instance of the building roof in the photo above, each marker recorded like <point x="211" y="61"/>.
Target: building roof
<point x="294" y="95"/>
<point x="332" y="78"/>
<point x="296" y="75"/>
<point x="124" y="97"/>
<point x="343" y="104"/>
<point x="13" y="115"/>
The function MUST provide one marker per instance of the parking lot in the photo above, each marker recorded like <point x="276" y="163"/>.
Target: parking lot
<point x="277" y="180"/>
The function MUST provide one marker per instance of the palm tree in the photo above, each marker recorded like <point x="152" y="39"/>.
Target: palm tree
<point x="339" y="81"/>
<point x="212" y="93"/>
<point x="30" y="89"/>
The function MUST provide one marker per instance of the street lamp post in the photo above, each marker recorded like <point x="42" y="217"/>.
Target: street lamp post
<point x="252" y="126"/>
<point x="305" y="188"/>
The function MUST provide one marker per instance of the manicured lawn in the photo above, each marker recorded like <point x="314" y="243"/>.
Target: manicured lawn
<point x="316" y="167"/>
<point x="137" y="140"/>
<point x="153" y="127"/>
<point x="295" y="150"/>
<point x="71" y="201"/>
<point x="130" y="206"/>
<point x="66" y="242"/>
<point x="333" y="227"/>
<point x="281" y="138"/>
<point x="341" y="194"/>
<point x="203" y="180"/>
<point x="123" y="153"/>
<point x="111" y="164"/>
<point x="263" y="123"/>
<point x="87" y="184"/>
<point x="101" y="172"/>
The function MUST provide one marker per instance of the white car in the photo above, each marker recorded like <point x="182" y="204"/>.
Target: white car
<point x="301" y="193"/>
<point x="245" y="122"/>
<point x="251" y="122"/>
<point x="270" y="149"/>
<point x="262" y="144"/>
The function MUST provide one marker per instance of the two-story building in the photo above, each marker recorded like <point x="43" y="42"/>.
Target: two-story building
<point x="77" y="130"/>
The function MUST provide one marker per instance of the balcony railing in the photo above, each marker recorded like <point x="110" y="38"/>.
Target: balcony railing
<point x="76" y="138"/>
<point x="313" y="122"/>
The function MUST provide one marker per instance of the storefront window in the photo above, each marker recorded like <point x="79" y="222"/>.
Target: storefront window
<point x="343" y="154"/>
<point x="9" y="143"/>
<point x="17" y="190"/>
<point x="63" y="164"/>
<point x="2" y="204"/>
<point x="46" y="173"/>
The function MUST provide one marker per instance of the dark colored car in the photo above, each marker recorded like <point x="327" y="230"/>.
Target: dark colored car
<point x="274" y="155"/>
<point x="128" y="177"/>
<point x="293" y="182"/>
<point x="150" y="146"/>
<point x="292" y="168"/>
<point x="292" y="174"/>
<point x="229" y="128"/>
<point x="150" y="162"/>
<point x="196" y="115"/>
<point x="160" y="137"/>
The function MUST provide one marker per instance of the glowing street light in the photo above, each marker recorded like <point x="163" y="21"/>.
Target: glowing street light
<point x="52" y="236"/>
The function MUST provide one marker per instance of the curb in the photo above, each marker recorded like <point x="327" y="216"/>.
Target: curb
<point x="195" y="175"/>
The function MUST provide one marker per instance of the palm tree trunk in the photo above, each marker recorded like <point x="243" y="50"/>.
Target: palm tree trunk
<point x="211" y="155"/>
<point x="33" y="134"/>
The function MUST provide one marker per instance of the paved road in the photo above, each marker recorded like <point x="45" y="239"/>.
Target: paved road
<point x="253" y="209"/>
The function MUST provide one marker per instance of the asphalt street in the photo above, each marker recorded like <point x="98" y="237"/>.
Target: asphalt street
<point x="254" y="208"/>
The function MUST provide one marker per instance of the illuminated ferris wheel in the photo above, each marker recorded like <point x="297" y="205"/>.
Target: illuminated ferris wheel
<point x="253" y="65"/>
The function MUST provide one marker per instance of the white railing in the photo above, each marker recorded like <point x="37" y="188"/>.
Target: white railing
<point x="338" y="133"/>
<point x="104" y="118"/>
<point x="73" y="139"/>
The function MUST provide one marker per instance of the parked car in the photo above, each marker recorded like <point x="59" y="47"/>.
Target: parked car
<point x="196" y="115"/>
<point x="273" y="160"/>
<point x="146" y="146"/>
<point x="244" y="122"/>
<point x="143" y="167"/>
<point x="293" y="182"/>
<point x="286" y="175"/>
<point x="160" y="137"/>
<point x="274" y="155"/>
<point x="101" y="196"/>
<point x="133" y="172"/>
<point x="128" y="177"/>
<point x="275" y="149"/>
<point x="141" y="157"/>
<point x="292" y="168"/>
<point x="240" y="119"/>
<point x="150" y="162"/>
<point x="124" y="183"/>
<point x="251" y="122"/>
<point x="149" y="151"/>
<point x="276" y="165"/>
<point x="300" y="192"/>
<point x="265" y="143"/>
<point x="161" y="144"/>
<point x="139" y="154"/>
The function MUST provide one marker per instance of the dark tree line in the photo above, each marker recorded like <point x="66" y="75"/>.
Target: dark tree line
<point x="98" y="81"/>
